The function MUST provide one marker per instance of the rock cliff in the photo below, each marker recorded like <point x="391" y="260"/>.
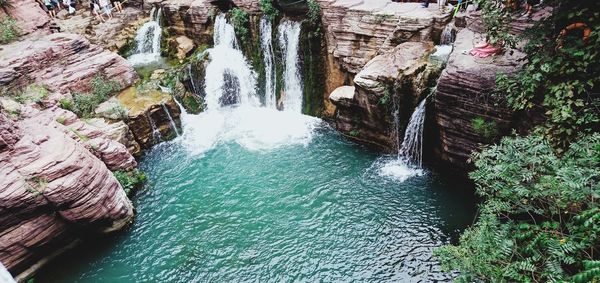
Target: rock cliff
<point x="51" y="187"/>
<point x="63" y="63"/>
<point x="464" y="93"/>
<point x="386" y="91"/>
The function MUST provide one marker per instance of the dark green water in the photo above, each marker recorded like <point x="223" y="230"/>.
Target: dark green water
<point x="320" y="212"/>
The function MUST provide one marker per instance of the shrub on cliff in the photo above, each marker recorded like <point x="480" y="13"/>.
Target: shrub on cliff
<point x="84" y="104"/>
<point x="540" y="219"/>
<point x="266" y="6"/>
<point x="241" y="21"/>
<point x="561" y="77"/>
<point x="9" y="30"/>
<point x="130" y="180"/>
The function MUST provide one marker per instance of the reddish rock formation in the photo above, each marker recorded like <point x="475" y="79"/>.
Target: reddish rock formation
<point x="190" y="18"/>
<point x="464" y="94"/>
<point x="50" y="186"/>
<point x="62" y="63"/>
<point x="28" y="13"/>
<point x="393" y="82"/>
<point x="358" y="30"/>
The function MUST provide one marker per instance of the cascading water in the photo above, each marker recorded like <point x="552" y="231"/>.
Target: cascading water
<point x="448" y="35"/>
<point x="147" y="41"/>
<point x="155" y="132"/>
<point x="229" y="79"/>
<point x="409" y="160"/>
<point x="442" y="51"/>
<point x="266" y="32"/>
<point x="411" y="149"/>
<point x="233" y="111"/>
<point x="173" y="125"/>
<point x="289" y="39"/>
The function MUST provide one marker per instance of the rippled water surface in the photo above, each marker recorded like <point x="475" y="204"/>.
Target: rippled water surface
<point x="316" y="211"/>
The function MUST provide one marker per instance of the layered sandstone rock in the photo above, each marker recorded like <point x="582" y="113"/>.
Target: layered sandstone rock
<point x="51" y="186"/>
<point x="28" y="13"/>
<point x="358" y="30"/>
<point x="151" y="116"/>
<point x="387" y="89"/>
<point x="190" y="18"/>
<point x="464" y="94"/>
<point x="63" y="63"/>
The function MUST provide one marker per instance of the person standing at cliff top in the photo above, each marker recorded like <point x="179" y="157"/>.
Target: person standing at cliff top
<point x="50" y="8"/>
<point x="117" y="5"/>
<point x="95" y="7"/>
<point x="104" y="4"/>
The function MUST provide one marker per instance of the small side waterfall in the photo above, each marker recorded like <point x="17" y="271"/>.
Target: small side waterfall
<point x="173" y="125"/>
<point x="411" y="149"/>
<point x="289" y="39"/>
<point x="229" y="79"/>
<point x="155" y="132"/>
<point x="266" y="32"/>
<point x="147" y="40"/>
<point x="448" y="35"/>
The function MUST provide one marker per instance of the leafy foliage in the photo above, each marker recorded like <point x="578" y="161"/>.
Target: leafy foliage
<point x="486" y="129"/>
<point x="9" y="30"/>
<point x="314" y="12"/>
<point x="130" y="180"/>
<point x="561" y="78"/>
<point x="84" y="104"/>
<point x="266" y="6"/>
<point x="241" y="21"/>
<point x="539" y="220"/>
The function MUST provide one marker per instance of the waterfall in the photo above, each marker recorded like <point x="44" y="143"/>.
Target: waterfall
<point x="173" y="125"/>
<point x="448" y="35"/>
<point x="411" y="149"/>
<point x="266" y="32"/>
<point x="229" y="79"/>
<point x="289" y="38"/>
<point x="155" y="132"/>
<point x="147" y="40"/>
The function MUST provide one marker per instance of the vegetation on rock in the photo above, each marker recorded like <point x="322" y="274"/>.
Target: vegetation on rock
<point x="130" y="180"/>
<point x="84" y="104"/>
<point x="9" y="30"/>
<point x="241" y="21"/>
<point x="539" y="218"/>
<point x="266" y="6"/>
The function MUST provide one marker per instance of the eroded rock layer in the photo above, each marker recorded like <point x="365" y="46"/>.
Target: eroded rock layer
<point x="61" y="62"/>
<point x="51" y="186"/>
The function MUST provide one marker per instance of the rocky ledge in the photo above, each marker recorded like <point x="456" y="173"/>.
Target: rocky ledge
<point x="384" y="94"/>
<point x="466" y="113"/>
<point x="63" y="63"/>
<point x="52" y="187"/>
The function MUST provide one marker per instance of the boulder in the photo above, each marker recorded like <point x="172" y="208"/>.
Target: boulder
<point x="464" y="94"/>
<point x="62" y="63"/>
<point x="30" y="16"/>
<point x="386" y="90"/>
<point x="51" y="186"/>
<point x="184" y="46"/>
<point x="151" y="115"/>
<point x="190" y="18"/>
<point x="358" y="30"/>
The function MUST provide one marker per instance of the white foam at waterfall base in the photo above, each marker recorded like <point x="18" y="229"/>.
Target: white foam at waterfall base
<point x="396" y="168"/>
<point x="289" y="39"/>
<point x="147" y="41"/>
<point x="254" y="128"/>
<point x="409" y="160"/>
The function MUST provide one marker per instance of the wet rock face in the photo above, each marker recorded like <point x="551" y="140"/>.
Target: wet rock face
<point x="51" y="186"/>
<point x="389" y="87"/>
<point x="62" y="63"/>
<point x="190" y="18"/>
<point x="358" y="30"/>
<point x="148" y="116"/>
<point x="464" y="94"/>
